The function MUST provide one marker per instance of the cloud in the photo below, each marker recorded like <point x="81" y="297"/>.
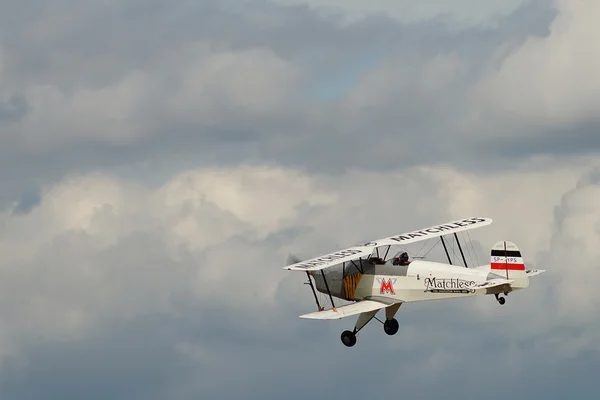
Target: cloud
<point x="548" y="81"/>
<point x="200" y="95"/>
<point x="465" y="11"/>
<point x="82" y="250"/>
<point x="145" y="89"/>
<point x="249" y="84"/>
<point x="101" y="260"/>
<point x="576" y="233"/>
<point x="244" y="83"/>
<point x="158" y="162"/>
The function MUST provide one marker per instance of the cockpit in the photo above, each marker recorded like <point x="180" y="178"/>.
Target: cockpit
<point x="401" y="258"/>
<point x="376" y="260"/>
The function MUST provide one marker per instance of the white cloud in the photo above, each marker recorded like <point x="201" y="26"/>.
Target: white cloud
<point x="95" y="240"/>
<point x="521" y="201"/>
<point x="265" y="198"/>
<point x="548" y="81"/>
<point x="99" y="249"/>
<point x="575" y="253"/>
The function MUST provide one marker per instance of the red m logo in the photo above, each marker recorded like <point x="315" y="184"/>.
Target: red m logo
<point x="387" y="286"/>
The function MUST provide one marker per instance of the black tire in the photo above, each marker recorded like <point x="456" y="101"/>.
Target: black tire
<point x="348" y="338"/>
<point x="390" y="326"/>
<point x="501" y="300"/>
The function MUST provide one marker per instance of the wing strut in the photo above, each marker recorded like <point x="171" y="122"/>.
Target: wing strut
<point x="356" y="266"/>
<point x="446" y="250"/>
<point x="460" y="248"/>
<point x="314" y="293"/>
<point x="386" y="252"/>
<point x="328" y="291"/>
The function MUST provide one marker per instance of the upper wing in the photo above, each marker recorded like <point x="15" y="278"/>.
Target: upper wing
<point x="332" y="259"/>
<point x="434" y="231"/>
<point x="366" y="249"/>
<point x="347" y="310"/>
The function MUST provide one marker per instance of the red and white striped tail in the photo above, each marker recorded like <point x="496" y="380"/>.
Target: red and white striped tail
<point x="506" y="260"/>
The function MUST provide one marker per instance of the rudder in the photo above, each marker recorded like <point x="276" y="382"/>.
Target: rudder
<point x="507" y="262"/>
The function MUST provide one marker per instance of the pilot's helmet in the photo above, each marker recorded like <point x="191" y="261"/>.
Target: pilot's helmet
<point x="404" y="257"/>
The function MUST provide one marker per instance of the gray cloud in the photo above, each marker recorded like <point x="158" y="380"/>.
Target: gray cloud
<point x="14" y="108"/>
<point x="168" y="285"/>
<point x="115" y="289"/>
<point x="461" y="11"/>
<point x="137" y="83"/>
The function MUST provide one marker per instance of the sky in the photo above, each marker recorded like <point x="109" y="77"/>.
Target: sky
<point x="159" y="161"/>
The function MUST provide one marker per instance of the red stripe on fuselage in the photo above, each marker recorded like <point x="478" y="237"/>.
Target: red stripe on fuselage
<point x="510" y="267"/>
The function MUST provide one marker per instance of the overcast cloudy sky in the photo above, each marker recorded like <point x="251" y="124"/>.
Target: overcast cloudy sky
<point x="160" y="159"/>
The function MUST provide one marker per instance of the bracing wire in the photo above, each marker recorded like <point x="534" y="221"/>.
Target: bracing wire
<point x="473" y="247"/>
<point x="432" y="247"/>
<point x="454" y="251"/>
<point x="422" y="247"/>
<point x="467" y="247"/>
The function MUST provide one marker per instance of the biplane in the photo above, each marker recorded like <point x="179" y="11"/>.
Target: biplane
<point x="370" y="282"/>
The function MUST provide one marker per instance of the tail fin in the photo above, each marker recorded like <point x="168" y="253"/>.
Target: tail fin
<point x="507" y="262"/>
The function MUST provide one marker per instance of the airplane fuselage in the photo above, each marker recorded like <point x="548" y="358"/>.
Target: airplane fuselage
<point x="418" y="281"/>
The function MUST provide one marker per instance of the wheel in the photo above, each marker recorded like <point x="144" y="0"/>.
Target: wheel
<point x="390" y="326"/>
<point x="501" y="300"/>
<point x="348" y="338"/>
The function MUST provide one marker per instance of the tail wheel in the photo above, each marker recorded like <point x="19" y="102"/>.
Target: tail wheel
<point x="499" y="299"/>
<point x="348" y="338"/>
<point x="390" y="326"/>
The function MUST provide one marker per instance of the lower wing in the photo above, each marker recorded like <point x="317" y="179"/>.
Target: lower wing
<point x="347" y="310"/>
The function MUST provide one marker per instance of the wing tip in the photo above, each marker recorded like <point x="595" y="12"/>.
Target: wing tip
<point x="290" y="268"/>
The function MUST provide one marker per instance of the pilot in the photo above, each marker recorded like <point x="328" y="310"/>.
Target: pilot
<point x="402" y="260"/>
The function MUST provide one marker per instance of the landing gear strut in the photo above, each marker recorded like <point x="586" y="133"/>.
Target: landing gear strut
<point x="501" y="300"/>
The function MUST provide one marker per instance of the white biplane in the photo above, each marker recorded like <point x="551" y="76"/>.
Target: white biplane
<point x="372" y="283"/>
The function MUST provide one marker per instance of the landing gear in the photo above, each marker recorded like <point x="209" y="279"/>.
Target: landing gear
<point x="348" y="338"/>
<point x="390" y="326"/>
<point x="501" y="300"/>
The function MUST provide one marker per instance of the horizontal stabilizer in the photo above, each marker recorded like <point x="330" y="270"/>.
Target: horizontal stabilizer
<point x="534" y="272"/>
<point x="492" y="283"/>
<point x="347" y="310"/>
